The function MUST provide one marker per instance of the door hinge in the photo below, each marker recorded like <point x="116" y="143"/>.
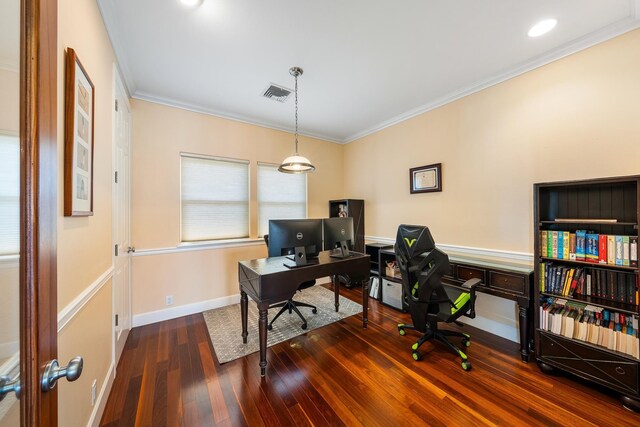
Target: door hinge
<point x="116" y="105"/>
<point x="116" y="320"/>
<point x="116" y="250"/>
<point x="116" y="177"/>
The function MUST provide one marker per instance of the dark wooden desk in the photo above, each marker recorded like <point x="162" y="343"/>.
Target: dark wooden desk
<point x="509" y="280"/>
<point x="268" y="281"/>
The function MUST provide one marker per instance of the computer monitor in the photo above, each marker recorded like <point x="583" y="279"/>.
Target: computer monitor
<point x="338" y="233"/>
<point x="299" y="237"/>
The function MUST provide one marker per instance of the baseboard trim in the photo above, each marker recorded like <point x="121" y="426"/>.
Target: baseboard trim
<point x="101" y="401"/>
<point x="183" y="310"/>
<point x="520" y="257"/>
<point x="73" y="308"/>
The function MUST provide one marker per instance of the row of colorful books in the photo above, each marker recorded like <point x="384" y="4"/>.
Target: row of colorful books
<point x="595" y="325"/>
<point x="570" y="281"/>
<point x="590" y="247"/>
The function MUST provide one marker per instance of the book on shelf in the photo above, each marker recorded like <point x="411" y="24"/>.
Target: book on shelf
<point x="543" y="243"/>
<point x="596" y="325"/>
<point x="566" y="243"/>
<point x="618" y="250"/>
<point x="602" y="248"/>
<point x="633" y="251"/>
<point x="615" y="286"/>
<point x="554" y="247"/>
<point x="580" y="244"/>
<point x="625" y="251"/>
<point x="611" y="250"/>
<point x="591" y="247"/>
<point x="572" y="246"/>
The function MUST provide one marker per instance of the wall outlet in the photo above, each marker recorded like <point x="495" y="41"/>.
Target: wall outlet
<point x="94" y="385"/>
<point x="169" y="299"/>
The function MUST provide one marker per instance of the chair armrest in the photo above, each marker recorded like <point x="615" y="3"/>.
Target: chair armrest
<point x="471" y="284"/>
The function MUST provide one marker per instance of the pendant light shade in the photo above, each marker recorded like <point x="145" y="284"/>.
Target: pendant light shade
<point x="296" y="163"/>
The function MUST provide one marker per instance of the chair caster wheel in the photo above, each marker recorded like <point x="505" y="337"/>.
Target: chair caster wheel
<point x="415" y="355"/>
<point x="269" y="327"/>
<point x="466" y="342"/>
<point x="466" y="365"/>
<point x="402" y="332"/>
<point x="314" y="311"/>
<point x="304" y="326"/>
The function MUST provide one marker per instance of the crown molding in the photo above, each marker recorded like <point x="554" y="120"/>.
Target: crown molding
<point x="630" y="23"/>
<point x="110" y="23"/>
<point x="144" y="96"/>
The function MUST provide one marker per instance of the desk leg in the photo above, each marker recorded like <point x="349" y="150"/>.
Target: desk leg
<point x="262" y="328"/>
<point x="365" y="303"/>
<point x="244" y="302"/>
<point x="524" y="332"/>
<point x="336" y="291"/>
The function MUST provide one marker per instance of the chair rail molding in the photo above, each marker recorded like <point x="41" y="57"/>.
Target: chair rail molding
<point x="73" y="308"/>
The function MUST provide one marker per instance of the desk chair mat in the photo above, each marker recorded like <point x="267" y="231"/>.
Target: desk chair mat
<point x="225" y="326"/>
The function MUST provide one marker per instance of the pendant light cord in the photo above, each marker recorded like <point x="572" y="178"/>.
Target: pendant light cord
<point x="296" y="95"/>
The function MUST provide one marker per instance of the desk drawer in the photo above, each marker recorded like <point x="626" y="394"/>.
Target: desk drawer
<point x="466" y="273"/>
<point x="507" y="282"/>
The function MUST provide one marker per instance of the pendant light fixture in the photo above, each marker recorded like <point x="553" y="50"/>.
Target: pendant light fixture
<point x="296" y="163"/>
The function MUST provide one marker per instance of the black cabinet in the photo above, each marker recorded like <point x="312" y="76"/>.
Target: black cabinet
<point x="587" y="324"/>
<point x="353" y="208"/>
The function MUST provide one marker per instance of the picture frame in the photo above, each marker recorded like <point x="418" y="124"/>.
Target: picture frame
<point x="425" y="179"/>
<point x="78" y="138"/>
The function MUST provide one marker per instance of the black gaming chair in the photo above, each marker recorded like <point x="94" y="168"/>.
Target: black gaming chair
<point x="292" y="305"/>
<point x="422" y="267"/>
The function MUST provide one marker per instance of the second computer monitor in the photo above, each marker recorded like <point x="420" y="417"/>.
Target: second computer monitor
<point x="338" y="233"/>
<point x="285" y="235"/>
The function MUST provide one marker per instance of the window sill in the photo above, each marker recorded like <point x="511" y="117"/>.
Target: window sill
<point x="202" y="246"/>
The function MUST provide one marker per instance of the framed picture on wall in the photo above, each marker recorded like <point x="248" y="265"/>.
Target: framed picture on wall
<point x="78" y="138"/>
<point x="425" y="179"/>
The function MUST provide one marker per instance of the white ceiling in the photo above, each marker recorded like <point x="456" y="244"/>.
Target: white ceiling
<point x="367" y="63"/>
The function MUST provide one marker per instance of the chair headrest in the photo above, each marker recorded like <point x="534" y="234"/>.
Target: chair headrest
<point x="414" y="240"/>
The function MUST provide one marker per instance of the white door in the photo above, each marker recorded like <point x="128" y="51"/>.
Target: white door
<point x="121" y="216"/>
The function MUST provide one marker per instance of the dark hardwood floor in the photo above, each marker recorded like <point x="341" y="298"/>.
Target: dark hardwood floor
<point x="343" y="375"/>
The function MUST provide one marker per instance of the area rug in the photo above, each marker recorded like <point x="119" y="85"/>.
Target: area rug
<point x="225" y="325"/>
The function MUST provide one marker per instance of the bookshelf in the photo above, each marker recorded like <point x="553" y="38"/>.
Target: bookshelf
<point x="353" y="208"/>
<point x="586" y="281"/>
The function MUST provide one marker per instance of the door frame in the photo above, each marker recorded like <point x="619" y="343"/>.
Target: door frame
<point x="38" y="207"/>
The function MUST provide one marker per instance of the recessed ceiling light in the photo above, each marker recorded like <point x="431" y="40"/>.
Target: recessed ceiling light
<point x="542" y="27"/>
<point x="191" y="3"/>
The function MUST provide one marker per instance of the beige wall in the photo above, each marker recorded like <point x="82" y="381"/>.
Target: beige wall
<point x="84" y="243"/>
<point x="160" y="133"/>
<point x="10" y="103"/>
<point x="9" y="125"/>
<point x="576" y="118"/>
<point x="87" y="335"/>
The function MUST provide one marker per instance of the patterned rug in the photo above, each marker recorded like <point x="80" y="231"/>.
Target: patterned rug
<point x="225" y="325"/>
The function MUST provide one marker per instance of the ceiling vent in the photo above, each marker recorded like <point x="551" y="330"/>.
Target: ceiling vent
<point x="277" y="93"/>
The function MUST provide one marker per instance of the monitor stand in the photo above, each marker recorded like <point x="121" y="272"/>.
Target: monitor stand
<point x="342" y="251"/>
<point x="299" y="258"/>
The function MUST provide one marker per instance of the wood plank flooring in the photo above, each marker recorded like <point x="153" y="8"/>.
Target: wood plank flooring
<point x="342" y="375"/>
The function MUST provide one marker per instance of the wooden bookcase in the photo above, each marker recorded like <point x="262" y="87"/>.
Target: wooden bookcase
<point x="353" y="208"/>
<point x="607" y="206"/>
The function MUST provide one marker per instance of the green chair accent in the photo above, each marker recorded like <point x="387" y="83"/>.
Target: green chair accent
<point x="430" y="302"/>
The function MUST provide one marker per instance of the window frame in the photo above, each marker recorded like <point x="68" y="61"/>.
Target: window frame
<point x="306" y="194"/>
<point x="225" y="240"/>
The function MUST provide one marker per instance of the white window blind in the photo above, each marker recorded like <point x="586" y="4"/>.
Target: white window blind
<point x="280" y="196"/>
<point x="214" y="198"/>
<point x="9" y="195"/>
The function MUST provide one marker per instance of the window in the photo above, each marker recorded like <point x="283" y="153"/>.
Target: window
<point x="9" y="195"/>
<point x="214" y="198"/>
<point x="280" y="196"/>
